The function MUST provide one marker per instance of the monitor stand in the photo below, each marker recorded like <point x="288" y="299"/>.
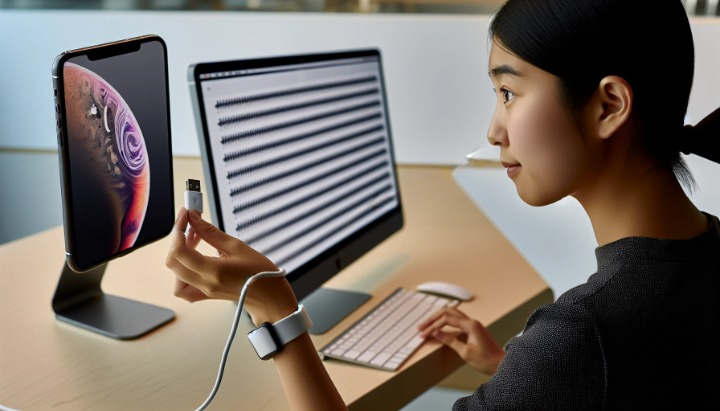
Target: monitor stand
<point x="80" y="301"/>
<point x="328" y="306"/>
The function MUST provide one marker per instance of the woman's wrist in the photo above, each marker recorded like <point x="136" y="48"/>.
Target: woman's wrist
<point x="270" y="300"/>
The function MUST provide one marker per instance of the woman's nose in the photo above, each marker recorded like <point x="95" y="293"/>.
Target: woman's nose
<point x="496" y="134"/>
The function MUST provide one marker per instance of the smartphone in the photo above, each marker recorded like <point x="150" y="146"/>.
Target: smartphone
<point x="113" y="132"/>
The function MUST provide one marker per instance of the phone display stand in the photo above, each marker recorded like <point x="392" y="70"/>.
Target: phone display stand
<point x="79" y="300"/>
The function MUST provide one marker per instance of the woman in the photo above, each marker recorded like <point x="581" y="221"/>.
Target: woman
<point x="588" y="106"/>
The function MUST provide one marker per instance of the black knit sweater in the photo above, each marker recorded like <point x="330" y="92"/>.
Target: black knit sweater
<point x="642" y="334"/>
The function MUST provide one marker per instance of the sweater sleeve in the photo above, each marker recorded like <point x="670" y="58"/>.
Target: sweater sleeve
<point x="556" y="364"/>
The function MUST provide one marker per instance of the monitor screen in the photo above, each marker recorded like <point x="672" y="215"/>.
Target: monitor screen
<point x="298" y="157"/>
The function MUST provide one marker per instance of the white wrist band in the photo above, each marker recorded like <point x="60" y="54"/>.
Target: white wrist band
<point x="269" y="339"/>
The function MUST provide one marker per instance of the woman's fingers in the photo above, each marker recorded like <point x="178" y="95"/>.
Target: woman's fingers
<point x="183" y="259"/>
<point x="188" y="292"/>
<point x="445" y="316"/>
<point x="455" y="338"/>
<point x="215" y="277"/>
<point x="185" y="262"/>
<point x="229" y="246"/>
<point x="177" y="234"/>
<point x="212" y="235"/>
<point x="178" y="241"/>
<point x="192" y="239"/>
<point x="430" y="320"/>
<point x="468" y="337"/>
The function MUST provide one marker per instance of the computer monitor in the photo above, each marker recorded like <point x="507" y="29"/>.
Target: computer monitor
<point x="113" y="130"/>
<point x="298" y="159"/>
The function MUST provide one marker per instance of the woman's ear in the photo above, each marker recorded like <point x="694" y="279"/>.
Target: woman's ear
<point x="612" y="105"/>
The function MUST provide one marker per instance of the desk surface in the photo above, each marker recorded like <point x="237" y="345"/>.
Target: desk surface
<point x="47" y="364"/>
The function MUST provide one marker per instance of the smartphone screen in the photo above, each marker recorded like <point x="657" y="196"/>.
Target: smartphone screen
<point x="115" y="151"/>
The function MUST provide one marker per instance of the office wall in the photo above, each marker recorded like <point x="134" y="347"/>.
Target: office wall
<point x="705" y="95"/>
<point x="439" y="95"/>
<point x="435" y="67"/>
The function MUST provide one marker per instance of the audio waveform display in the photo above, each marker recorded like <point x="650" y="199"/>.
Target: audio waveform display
<point x="305" y="155"/>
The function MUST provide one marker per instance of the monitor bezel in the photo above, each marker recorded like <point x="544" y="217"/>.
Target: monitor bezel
<point x="314" y="273"/>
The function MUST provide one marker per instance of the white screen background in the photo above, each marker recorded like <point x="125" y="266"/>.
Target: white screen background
<point x="301" y="154"/>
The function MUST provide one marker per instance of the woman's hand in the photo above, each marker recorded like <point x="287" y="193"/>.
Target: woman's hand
<point x="304" y="377"/>
<point x="468" y="337"/>
<point x="200" y="277"/>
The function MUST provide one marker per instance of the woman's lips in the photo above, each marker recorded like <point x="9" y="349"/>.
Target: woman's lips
<point x="512" y="168"/>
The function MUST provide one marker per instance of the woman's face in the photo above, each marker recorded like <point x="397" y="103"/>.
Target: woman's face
<point x="542" y="146"/>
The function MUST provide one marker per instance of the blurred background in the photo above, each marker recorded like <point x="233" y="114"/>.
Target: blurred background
<point x="341" y="6"/>
<point x="694" y="7"/>
<point x="42" y="201"/>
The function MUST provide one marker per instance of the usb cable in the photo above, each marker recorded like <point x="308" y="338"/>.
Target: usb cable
<point x="233" y="330"/>
<point x="193" y="201"/>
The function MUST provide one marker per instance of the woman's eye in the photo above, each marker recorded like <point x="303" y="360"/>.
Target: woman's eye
<point x="507" y="95"/>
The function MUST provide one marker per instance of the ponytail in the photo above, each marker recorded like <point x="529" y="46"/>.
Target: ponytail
<point x="703" y="139"/>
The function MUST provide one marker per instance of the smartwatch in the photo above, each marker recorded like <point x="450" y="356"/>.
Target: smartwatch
<point x="269" y="339"/>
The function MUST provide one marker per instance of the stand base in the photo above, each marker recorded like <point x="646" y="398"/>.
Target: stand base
<point x="80" y="301"/>
<point x="328" y="306"/>
<point x="116" y="317"/>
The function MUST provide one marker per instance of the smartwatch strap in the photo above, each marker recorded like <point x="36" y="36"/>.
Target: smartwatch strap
<point x="269" y="339"/>
<point x="292" y="326"/>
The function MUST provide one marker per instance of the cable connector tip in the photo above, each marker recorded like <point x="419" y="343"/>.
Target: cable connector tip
<point x="193" y="196"/>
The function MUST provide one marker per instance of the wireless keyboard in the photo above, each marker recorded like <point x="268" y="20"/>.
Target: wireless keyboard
<point x="388" y="334"/>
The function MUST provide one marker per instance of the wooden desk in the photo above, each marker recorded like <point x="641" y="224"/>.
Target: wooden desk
<point x="47" y="364"/>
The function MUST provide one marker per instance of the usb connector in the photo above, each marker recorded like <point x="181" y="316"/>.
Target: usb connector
<point x="193" y="196"/>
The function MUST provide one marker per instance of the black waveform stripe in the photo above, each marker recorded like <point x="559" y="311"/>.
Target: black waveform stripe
<point x="320" y="224"/>
<point x="304" y="168"/>
<point x="283" y="261"/>
<point x="313" y="149"/>
<point x="305" y="183"/>
<point x="279" y="126"/>
<point x="299" y="106"/>
<point x="295" y="139"/>
<point x="317" y="194"/>
<point x="298" y="90"/>
<point x="306" y="215"/>
<point x="255" y="167"/>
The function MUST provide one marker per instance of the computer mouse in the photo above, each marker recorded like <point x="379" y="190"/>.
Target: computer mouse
<point x="446" y="290"/>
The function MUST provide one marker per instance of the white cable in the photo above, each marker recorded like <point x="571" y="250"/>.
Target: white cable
<point x="233" y="329"/>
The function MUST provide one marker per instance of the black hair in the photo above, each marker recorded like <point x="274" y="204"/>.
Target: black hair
<point x="649" y="44"/>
